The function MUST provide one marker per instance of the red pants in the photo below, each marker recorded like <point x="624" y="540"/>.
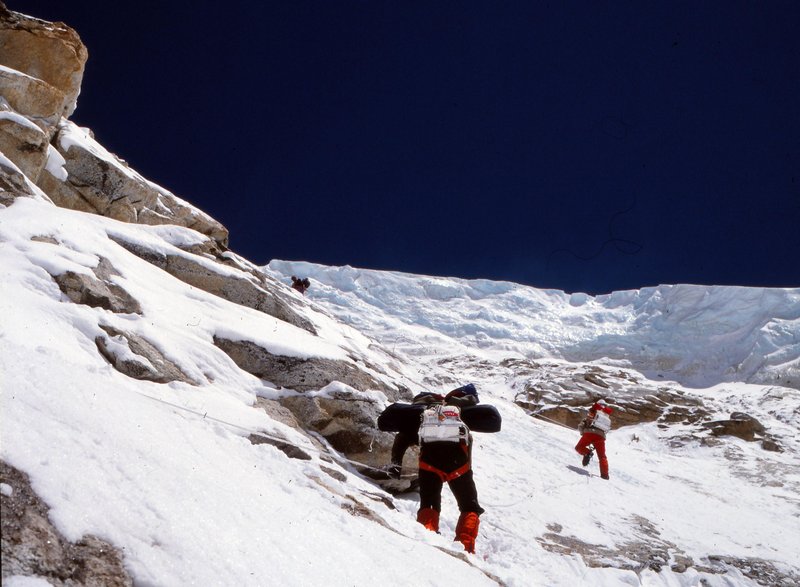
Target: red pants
<point x="599" y="446"/>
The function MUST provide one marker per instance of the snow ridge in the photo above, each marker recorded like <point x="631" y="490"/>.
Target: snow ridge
<point x="696" y="335"/>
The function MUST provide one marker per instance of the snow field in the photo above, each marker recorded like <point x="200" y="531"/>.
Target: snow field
<point x="166" y="473"/>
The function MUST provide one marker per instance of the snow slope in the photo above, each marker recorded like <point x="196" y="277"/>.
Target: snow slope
<point x="166" y="472"/>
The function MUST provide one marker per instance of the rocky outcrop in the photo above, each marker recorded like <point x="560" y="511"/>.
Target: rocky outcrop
<point x="13" y="183"/>
<point x="97" y="181"/>
<point x="32" y="546"/>
<point x="41" y="69"/>
<point x="210" y="270"/>
<point x="287" y="448"/>
<point x="98" y="290"/>
<point x="740" y="425"/>
<point x="128" y="352"/>
<point x="747" y="428"/>
<point x="297" y="373"/>
<point x="346" y="419"/>
<point x="136" y="357"/>
<point x="562" y="393"/>
<point x="277" y="412"/>
<point x="50" y="52"/>
<point x="645" y="549"/>
<point x="23" y="142"/>
<point x="340" y="424"/>
<point x="31" y="97"/>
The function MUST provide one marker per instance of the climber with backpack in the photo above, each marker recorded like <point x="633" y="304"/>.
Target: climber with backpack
<point x="593" y="429"/>
<point x="301" y="285"/>
<point x="445" y="456"/>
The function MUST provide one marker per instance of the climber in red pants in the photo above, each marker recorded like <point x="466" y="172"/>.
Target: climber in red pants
<point x="593" y="429"/>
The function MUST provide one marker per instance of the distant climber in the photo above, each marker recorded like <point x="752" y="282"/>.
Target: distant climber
<point x="445" y="456"/>
<point x="301" y="285"/>
<point x="593" y="429"/>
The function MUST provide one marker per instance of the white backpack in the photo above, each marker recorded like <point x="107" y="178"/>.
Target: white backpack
<point x="601" y="421"/>
<point x="442" y="424"/>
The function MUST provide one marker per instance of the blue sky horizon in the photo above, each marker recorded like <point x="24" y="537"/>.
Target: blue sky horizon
<point x="570" y="146"/>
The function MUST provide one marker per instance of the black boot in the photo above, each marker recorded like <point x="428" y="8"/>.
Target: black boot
<point x="587" y="457"/>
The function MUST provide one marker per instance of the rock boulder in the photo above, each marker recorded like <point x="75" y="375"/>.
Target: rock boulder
<point x="99" y="182"/>
<point x="32" y="546"/>
<point x="50" y="52"/>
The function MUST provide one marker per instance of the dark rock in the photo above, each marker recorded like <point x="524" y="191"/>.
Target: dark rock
<point x="338" y="475"/>
<point x="98" y="291"/>
<point x="298" y="373"/>
<point x="31" y="545"/>
<point x="562" y="394"/>
<point x="147" y="363"/>
<point x="740" y="425"/>
<point x="761" y="571"/>
<point x="13" y="184"/>
<point x="290" y="450"/>
<point x="771" y="445"/>
<point x="100" y="183"/>
<point x="246" y="289"/>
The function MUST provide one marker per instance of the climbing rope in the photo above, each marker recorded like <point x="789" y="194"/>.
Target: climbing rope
<point x="539" y="416"/>
<point x="330" y="450"/>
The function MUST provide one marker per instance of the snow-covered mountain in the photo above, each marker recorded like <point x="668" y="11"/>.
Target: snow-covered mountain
<point x="173" y="414"/>
<point x="696" y="335"/>
<point x="165" y="471"/>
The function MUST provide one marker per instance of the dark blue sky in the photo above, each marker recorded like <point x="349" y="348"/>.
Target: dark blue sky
<point x="583" y="146"/>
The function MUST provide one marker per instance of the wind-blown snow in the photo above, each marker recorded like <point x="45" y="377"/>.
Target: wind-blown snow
<point x="166" y="472"/>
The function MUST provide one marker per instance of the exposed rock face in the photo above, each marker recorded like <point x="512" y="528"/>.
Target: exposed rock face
<point x="50" y="52"/>
<point x="646" y="549"/>
<point x="127" y="352"/>
<point x="13" y="183"/>
<point x="31" y="97"/>
<point x="747" y="428"/>
<point x="563" y="394"/>
<point x="287" y="448"/>
<point x="33" y="546"/>
<point x="23" y="142"/>
<point x="99" y="182"/>
<point x="208" y="270"/>
<point x="740" y="425"/>
<point x="41" y="69"/>
<point x="279" y="413"/>
<point x="300" y="374"/>
<point x="136" y="357"/>
<point x="98" y="291"/>
<point x="347" y="421"/>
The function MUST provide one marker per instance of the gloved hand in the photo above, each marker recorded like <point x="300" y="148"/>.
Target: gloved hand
<point x="394" y="471"/>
